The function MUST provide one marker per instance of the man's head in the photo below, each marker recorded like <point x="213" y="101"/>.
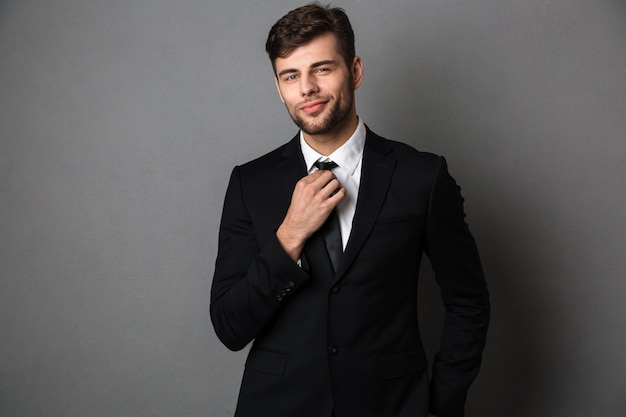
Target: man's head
<point x="317" y="71"/>
<point x="302" y="25"/>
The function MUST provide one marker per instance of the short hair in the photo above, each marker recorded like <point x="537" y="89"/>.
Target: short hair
<point x="304" y="24"/>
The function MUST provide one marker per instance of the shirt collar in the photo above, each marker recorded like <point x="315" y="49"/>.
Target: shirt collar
<point x="347" y="156"/>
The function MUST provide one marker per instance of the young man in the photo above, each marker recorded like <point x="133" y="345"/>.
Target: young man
<point x="318" y="263"/>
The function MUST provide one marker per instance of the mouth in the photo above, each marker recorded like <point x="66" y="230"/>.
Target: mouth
<point x="313" y="106"/>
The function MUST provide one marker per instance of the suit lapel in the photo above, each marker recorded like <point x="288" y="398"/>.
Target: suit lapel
<point x="291" y="167"/>
<point x="376" y="173"/>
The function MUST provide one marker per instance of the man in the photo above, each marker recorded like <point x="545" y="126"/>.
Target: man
<point x="334" y="318"/>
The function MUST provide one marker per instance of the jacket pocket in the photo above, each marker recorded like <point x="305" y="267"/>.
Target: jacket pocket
<point x="402" y="363"/>
<point x="267" y="362"/>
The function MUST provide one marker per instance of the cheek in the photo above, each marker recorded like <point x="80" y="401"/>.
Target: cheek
<point x="290" y="96"/>
<point x="341" y="89"/>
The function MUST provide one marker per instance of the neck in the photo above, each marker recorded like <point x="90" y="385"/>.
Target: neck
<point x="328" y="143"/>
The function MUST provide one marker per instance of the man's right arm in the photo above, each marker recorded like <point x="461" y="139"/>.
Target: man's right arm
<point x="252" y="279"/>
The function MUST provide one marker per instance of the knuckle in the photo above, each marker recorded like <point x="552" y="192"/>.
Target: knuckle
<point x="309" y="192"/>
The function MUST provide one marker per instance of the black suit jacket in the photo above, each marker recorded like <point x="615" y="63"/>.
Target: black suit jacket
<point x="349" y="340"/>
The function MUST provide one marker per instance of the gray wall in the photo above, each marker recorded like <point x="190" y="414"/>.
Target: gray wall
<point x="120" y="121"/>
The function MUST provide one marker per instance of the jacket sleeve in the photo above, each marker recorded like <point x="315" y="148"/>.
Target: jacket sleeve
<point x="252" y="278"/>
<point x="456" y="263"/>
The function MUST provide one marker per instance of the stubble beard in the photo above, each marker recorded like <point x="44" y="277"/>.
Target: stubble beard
<point x="337" y="114"/>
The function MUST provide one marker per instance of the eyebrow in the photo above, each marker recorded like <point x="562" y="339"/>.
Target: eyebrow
<point x="313" y="65"/>
<point x="322" y="63"/>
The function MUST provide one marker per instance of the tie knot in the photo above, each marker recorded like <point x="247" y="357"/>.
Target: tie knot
<point x="326" y="165"/>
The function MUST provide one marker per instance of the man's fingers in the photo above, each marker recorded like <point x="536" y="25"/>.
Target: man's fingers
<point x="313" y="176"/>
<point x="327" y="179"/>
<point x="318" y="190"/>
<point x="322" y="178"/>
<point x="322" y="181"/>
<point x="337" y="195"/>
<point x="331" y="188"/>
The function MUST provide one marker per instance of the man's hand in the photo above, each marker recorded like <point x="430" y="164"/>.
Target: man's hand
<point x="313" y="199"/>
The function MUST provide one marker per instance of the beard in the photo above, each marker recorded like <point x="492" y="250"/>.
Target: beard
<point x="334" y="117"/>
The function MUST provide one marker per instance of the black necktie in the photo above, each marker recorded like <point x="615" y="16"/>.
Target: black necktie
<point x="331" y="231"/>
<point x="326" y="165"/>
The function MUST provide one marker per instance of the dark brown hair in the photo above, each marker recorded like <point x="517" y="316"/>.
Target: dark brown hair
<point x="304" y="24"/>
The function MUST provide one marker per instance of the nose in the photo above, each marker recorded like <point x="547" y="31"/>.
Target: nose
<point x="308" y="86"/>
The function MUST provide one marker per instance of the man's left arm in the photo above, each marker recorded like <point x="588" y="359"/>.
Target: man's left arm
<point x="456" y="263"/>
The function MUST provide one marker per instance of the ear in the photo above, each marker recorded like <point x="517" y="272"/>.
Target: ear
<point x="357" y="71"/>
<point x="278" y="89"/>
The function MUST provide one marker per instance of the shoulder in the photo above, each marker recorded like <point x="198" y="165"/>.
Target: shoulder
<point x="403" y="153"/>
<point x="269" y="160"/>
<point x="270" y="157"/>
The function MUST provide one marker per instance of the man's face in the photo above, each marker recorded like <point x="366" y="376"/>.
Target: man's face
<point x="316" y="85"/>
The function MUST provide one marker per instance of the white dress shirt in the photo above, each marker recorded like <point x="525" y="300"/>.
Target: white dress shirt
<point x="348" y="158"/>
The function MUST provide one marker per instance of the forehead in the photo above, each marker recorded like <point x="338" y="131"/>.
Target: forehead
<point x="321" y="48"/>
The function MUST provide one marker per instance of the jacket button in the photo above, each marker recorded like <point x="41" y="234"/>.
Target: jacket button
<point x="333" y="350"/>
<point x="336" y="290"/>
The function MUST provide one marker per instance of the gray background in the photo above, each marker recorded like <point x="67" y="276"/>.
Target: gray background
<point x="120" y="121"/>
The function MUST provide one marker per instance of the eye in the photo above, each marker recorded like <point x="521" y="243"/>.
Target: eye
<point x="291" y="77"/>
<point x="323" y="69"/>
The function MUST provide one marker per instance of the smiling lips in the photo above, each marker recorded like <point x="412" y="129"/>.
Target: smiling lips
<point x="313" y="106"/>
